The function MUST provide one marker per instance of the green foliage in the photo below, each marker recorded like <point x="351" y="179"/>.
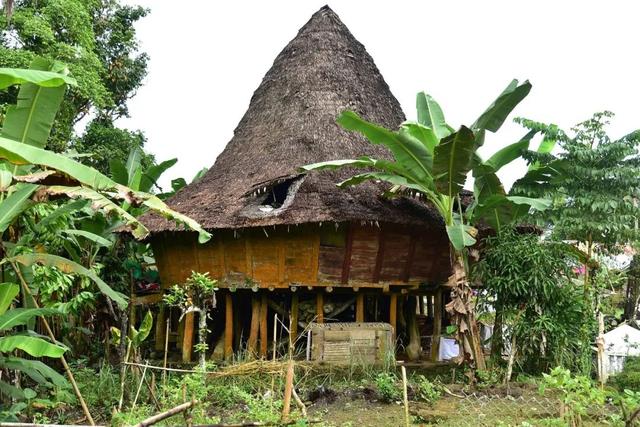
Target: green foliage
<point x="97" y="40"/>
<point x="197" y="291"/>
<point x="426" y="390"/>
<point x="593" y="183"/>
<point x="387" y="387"/>
<point x="577" y="393"/>
<point x="530" y="282"/>
<point x="629" y="378"/>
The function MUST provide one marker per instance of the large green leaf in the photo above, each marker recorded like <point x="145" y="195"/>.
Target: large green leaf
<point x="452" y="161"/>
<point x="157" y="205"/>
<point x="35" y="369"/>
<point x="65" y="209"/>
<point x="137" y="337"/>
<point x="33" y="346"/>
<point x="152" y="174"/>
<point x="460" y="235"/>
<point x="337" y="164"/>
<point x="99" y="202"/>
<point x="22" y="154"/>
<point x="535" y="203"/>
<point x="31" y="119"/>
<point x="509" y="153"/>
<point x="430" y="115"/>
<point x="379" y="176"/>
<point x="492" y="205"/>
<point x="15" y="204"/>
<point x="494" y="116"/>
<point x="15" y="76"/>
<point x="71" y="267"/>
<point x="133" y="164"/>
<point x="8" y="291"/>
<point x="407" y="150"/>
<point x="11" y="391"/>
<point x="118" y="171"/>
<point x="99" y="240"/>
<point x="20" y="316"/>
<point x="422" y="133"/>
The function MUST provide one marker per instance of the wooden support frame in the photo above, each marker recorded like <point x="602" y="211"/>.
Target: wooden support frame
<point x="161" y="326"/>
<point x="437" y="325"/>
<point x="393" y="313"/>
<point x="228" y="326"/>
<point x="360" y="307"/>
<point x="252" y="342"/>
<point x="187" y="336"/>
<point x="264" y="307"/>
<point x="319" y="307"/>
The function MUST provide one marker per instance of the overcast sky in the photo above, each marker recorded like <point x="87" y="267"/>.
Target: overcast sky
<point x="208" y="57"/>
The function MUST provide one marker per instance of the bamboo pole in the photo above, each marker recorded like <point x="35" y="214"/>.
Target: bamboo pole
<point x="164" y="415"/>
<point x="67" y="370"/>
<point x="187" y="337"/>
<point x="166" y="352"/>
<point x="393" y="314"/>
<point x="405" y="395"/>
<point x="319" y="307"/>
<point x="293" y="327"/>
<point x="360" y="307"/>
<point x="144" y="372"/>
<point x="274" y="341"/>
<point x="288" y="387"/>
<point x="263" y="325"/>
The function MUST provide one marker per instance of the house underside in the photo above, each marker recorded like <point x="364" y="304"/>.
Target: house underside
<point x="311" y="273"/>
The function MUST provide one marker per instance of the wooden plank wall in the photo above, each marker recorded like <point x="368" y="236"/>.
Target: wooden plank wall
<point x="310" y="255"/>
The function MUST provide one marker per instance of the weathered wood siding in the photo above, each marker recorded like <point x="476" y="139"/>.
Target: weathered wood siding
<point x="309" y="255"/>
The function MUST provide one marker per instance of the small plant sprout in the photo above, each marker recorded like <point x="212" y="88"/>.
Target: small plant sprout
<point x="196" y="295"/>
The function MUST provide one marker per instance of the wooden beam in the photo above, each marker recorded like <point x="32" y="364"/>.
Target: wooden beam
<point x="252" y="342"/>
<point x="264" y="307"/>
<point x="379" y="257"/>
<point x="187" y="337"/>
<point x="360" y="307"/>
<point x="293" y="332"/>
<point x="421" y="304"/>
<point x="319" y="307"/>
<point x="228" y="326"/>
<point x="161" y="326"/>
<point x="346" y="265"/>
<point x="393" y="313"/>
<point x="437" y="325"/>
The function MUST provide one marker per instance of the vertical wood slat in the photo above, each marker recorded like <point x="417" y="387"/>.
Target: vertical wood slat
<point x="379" y="256"/>
<point x="223" y="264"/>
<point x="252" y="342"/>
<point x="248" y="256"/>
<point x="315" y="257"/>
<point x="263" y="325"/>
<point x="319" y="306"/>
<point x="437" y="325"/>
<point x="393" y="313"/>
<point x="406" y="275"/>
<point x="346" y="265"/>
<point x="293" y="332"/>
<point x="281" y="260"/>
<point x="360" y="307"/>
<point x="187" y="337"/>
<point x="228" y="326"/>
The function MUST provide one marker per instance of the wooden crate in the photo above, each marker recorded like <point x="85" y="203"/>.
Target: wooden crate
<point x="351" y="343"/>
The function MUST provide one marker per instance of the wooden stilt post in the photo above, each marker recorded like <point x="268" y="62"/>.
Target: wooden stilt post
<point x="421" y="303"/>
<point x="228" y="326"/>
<point x="252" y="342"/>
<point x="393" y="313"/>
<point x="161" y="324"/>
<point x="319" y="306"/>
<point x="263" y="325"/>
<point x="360" y="307"/>
<point x="293" y="333"/>
<point x="437" y="325"/>
<point x="187" y="337"/>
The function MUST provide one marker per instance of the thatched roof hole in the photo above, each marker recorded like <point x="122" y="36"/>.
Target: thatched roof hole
<point x="290" y="122"/>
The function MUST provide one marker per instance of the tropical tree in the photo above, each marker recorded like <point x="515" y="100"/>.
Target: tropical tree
<point x="30" y="174"/>
<point x="433" y="159"/>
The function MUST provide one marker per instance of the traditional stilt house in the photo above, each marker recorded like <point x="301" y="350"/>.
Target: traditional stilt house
<point x="294" y="244"/>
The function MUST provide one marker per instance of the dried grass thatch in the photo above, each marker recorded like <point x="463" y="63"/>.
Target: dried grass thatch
<point x="291" y="121"/>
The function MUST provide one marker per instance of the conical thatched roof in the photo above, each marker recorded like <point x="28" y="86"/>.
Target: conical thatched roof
<point x="291" y="121"/>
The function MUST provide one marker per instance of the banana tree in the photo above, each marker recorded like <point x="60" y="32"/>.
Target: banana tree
<point x="30" y="174"/>
<point x="432" y="159"/>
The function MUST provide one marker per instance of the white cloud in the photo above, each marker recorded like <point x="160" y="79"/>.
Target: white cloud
<point x="208" y="57"/>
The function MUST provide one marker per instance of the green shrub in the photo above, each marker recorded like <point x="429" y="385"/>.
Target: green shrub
<point x="386" y="384"/>
<point x="629" y="378"/>
<point x="426" y="390"/>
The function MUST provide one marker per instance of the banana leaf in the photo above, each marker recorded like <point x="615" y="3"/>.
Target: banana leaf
<point x="33" y="346"/>
<point x="20" y="316"/>
<point x="70" y="267"/>
<point x="8" y="291"/>
<point x="430" y="115"/>
<point x="15" y="204"/>
<point x="35" y="369"/>
<point x="494" y="116"/>
<point x="452" y="161"/>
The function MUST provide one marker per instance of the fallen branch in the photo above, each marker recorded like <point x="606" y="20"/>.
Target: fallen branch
<point x="258" y="423"/>
<point x="299" y="402"/>
<point x="167" y="414"/>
